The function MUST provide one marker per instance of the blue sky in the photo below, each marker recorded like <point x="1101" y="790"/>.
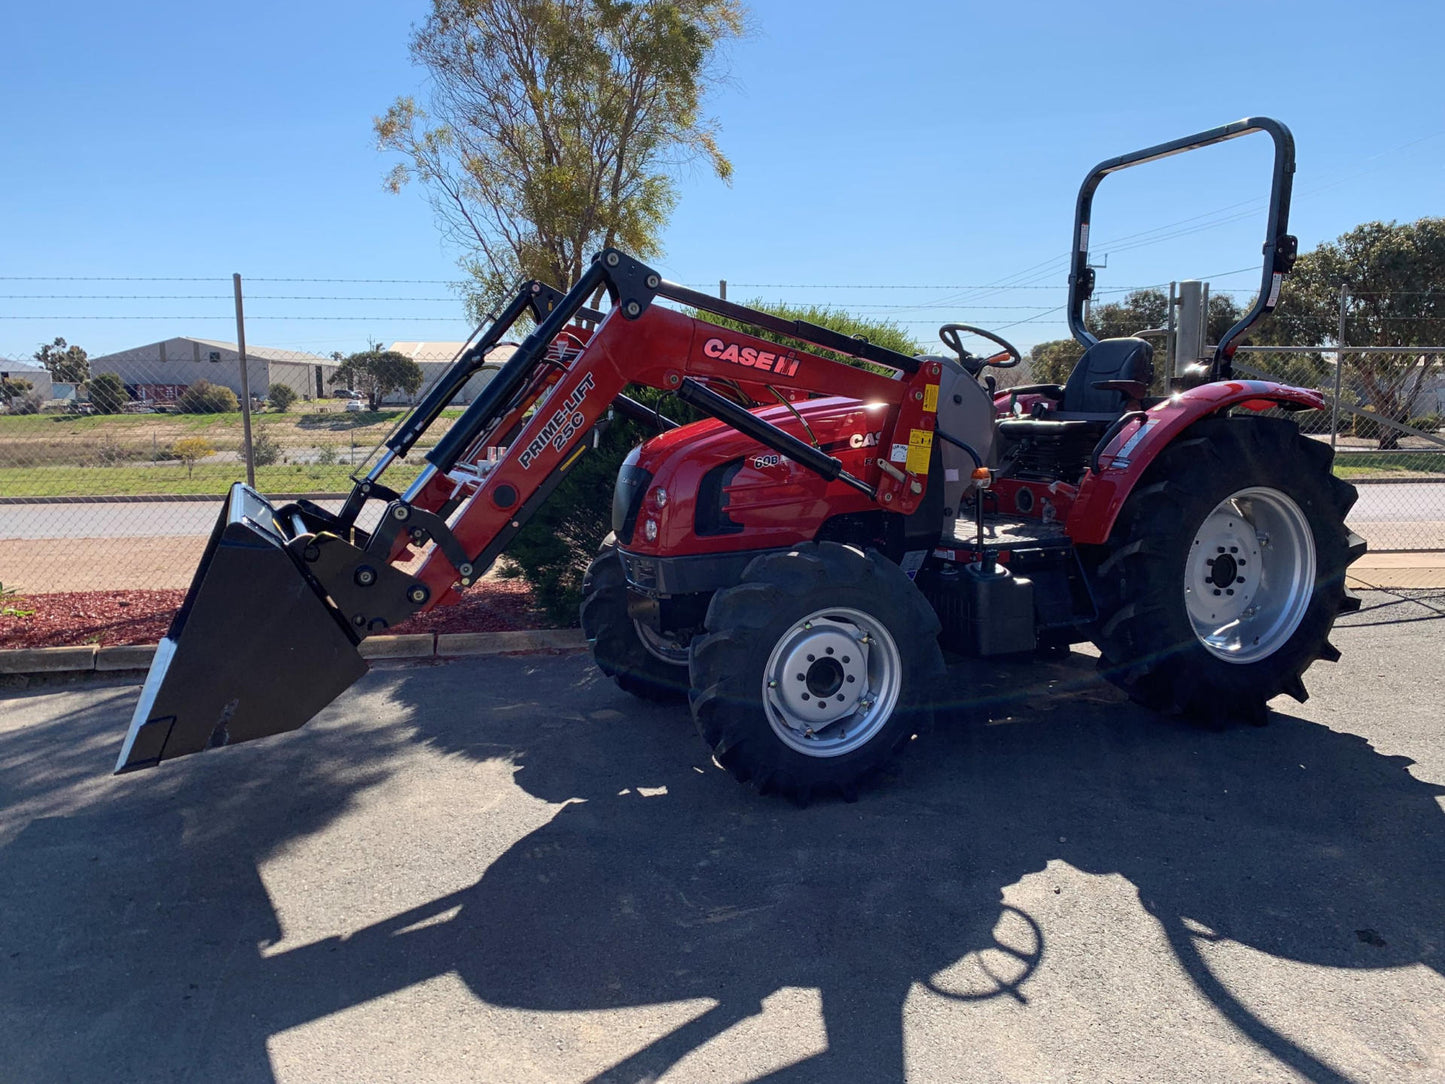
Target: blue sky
<point x="923" y="148"/>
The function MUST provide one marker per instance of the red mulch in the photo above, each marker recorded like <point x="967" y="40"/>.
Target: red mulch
<point x="112" y="618"/>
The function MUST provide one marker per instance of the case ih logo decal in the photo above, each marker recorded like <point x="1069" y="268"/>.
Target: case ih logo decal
<point x="751" y="358"/>
<point x="561" y="427"/>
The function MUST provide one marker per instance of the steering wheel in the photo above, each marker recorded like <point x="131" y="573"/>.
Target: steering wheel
<point x="1007" y="358"/>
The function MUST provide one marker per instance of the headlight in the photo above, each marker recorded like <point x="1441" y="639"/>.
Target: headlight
<point x="658" y="496"/>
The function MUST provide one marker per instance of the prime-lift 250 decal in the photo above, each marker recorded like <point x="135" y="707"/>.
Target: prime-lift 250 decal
<point x="752" y="358"/>
<point x="562" y="426"/>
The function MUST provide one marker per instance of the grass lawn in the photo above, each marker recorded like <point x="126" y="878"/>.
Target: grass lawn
<point x="1385" y="464"/>
<point x="171" y="479"/>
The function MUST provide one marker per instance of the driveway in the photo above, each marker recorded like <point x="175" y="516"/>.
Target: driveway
<point x="507" y="870"/>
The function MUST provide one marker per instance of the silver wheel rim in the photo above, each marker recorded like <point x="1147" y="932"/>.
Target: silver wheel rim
<point x="667" y="648"/>
<point x="1249" y="575"/>
<point x="832" y="682"/>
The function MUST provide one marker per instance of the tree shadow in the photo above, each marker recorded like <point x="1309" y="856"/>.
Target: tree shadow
<point x="659" y="881"/>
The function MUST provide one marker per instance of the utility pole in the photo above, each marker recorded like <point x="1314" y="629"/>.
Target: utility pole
<point x="722" y="289"/>
<point x="1339" y="370"/>
<point x="245" y="387"/>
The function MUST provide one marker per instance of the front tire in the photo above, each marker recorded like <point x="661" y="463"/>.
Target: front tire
<point x="641" y="661"/>
<point x="1225" y="571"/>
<point x="814" y="670"/>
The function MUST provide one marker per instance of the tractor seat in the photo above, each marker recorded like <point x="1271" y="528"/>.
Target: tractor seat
<point x="1104" y="380"/>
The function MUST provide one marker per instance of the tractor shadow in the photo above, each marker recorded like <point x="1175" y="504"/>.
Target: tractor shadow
<point x="658" y="880"/>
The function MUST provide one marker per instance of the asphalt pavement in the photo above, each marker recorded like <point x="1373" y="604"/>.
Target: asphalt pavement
<point x="508" y="870"/>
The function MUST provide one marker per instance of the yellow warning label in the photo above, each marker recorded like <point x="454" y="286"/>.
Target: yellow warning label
<point x="920" y="447"/>
<point x="930" y="398"/>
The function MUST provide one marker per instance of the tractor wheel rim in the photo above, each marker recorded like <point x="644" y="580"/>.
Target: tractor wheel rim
<point x="832" y="682"/>
<point x="667" y="648"/>
<point x="1249" y="575"/>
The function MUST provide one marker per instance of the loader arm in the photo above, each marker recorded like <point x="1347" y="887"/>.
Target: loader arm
<point x="268" y="632"/>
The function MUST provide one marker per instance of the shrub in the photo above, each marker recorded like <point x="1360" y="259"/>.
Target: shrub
<point x="281" y="396"/>
<point x="265" y="449"/>
<point x="203" y="397"/>
<point x="189" y="449"/>
<point x="1426" y="423"/>
<point x="326" y="454"/>
<point x="107" y="393"/>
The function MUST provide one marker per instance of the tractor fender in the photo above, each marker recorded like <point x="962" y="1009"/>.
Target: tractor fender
<point x="1123" y="462"/>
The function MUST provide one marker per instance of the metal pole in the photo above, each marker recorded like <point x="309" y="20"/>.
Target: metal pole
<point x="722" y="289"/>
<point x="1339" y="371"/>
<point x="245" y="387"/>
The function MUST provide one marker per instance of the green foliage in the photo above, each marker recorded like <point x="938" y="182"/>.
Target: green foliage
<point x="556" y="127"/>
<point x="265" y="449"/>
<point x="326" y="454"/>
<point x="189" y="449"/>
<point x="1394" y="281"/>
<point x="68" y="364"/>
<point x="107" y="393"/>
<point x="9" y="596"/>
<point x="1051" y="362"/>
<point x="553" y="550"/>
<point x="1142" y="310"/>
<point x="376" y="373"/>
<point x="17" y="395"/>
<point x="281" y="397"/>
<point x="203" y="397"/>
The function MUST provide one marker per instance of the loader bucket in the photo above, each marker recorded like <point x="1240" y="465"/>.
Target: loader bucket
<point x="255" y="650"/>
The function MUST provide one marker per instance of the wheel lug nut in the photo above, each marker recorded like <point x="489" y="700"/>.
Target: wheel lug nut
<point x="1209" y="561"/>
<point x="1219" y="548"/>
<point x="1229" y="590"/>
<point x="812" y="658"/>
<point x="806" y="697"/>
<point x="1240" y="580"/>
<point x="1216" y="590"/>
<point x="1233" y="549"/>
<point x="840" y="698"/>
<point x="802" y="678"/>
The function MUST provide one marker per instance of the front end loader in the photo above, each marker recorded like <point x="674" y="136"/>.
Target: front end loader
<point x="795" y="564"/>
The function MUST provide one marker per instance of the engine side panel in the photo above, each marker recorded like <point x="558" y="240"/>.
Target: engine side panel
<point x="772" y="501"/>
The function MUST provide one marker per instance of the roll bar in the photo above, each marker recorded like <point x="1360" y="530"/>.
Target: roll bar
<point x="1280" y="248"/>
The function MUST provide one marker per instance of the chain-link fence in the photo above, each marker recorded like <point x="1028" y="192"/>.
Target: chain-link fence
<point x="111" y="465"/>
<point x="1384" y="420"/>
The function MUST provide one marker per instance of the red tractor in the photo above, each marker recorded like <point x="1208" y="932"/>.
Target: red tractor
<point x="796" y="569"/>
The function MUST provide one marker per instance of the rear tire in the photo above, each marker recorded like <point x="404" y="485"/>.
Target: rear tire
<point x="642" y="662"/>
<point x="824" y="628"/>
<point x="1225" y="571"/>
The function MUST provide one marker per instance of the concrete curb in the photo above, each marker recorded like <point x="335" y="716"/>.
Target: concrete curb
<point x="425" y="645"/>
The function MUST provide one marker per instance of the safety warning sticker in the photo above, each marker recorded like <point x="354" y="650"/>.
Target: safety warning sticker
<point x="920" y="447"/>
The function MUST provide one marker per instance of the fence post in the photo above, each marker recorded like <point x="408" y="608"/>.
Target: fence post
<point x="1339" y="372"/>
<point x="245" y="388"/>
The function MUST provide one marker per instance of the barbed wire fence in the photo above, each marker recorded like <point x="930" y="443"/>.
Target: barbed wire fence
<point x="109" y="479"/>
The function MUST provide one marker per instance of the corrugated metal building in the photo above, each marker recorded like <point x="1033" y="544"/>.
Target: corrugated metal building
<point x="161" y="371"/>
<point x="39" y="379"/>
<point x="435" y="358"/>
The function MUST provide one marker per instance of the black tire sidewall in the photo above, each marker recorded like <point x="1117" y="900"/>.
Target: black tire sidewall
<point x="737" y="726"/>
<point x="1196" y="489"/>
